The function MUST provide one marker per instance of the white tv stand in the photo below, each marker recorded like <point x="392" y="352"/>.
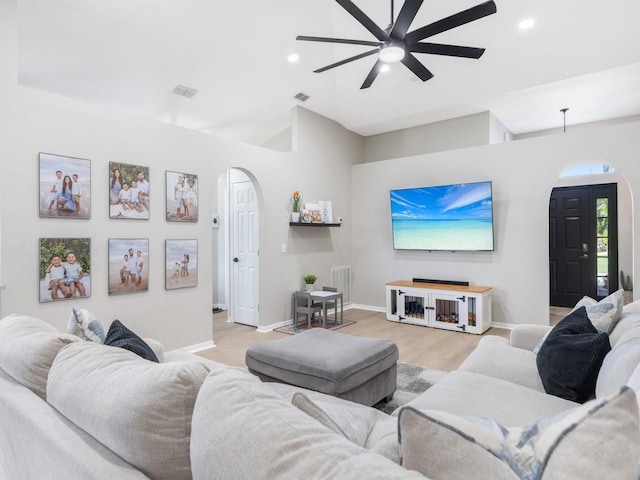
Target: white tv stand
<point x="453" y="307"/>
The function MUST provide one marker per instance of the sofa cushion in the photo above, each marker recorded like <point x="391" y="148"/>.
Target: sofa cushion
<point x="85" y="325"/>
<point x="630" y="319"/>
<point x="494" y="357"/>
<point x="570" y="358"/>
<point x="466" y="393"/>
<point x="121" y="336"/>
<point x="445" y="446"/>
<point x="27" y="349"/>
<point x="141" y="410"/>
<point x="362" y="425"/>
<point x="619" y="364"/>
<point x="237" y="415"/>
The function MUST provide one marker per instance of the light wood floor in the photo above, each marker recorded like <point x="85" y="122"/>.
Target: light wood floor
<point x="429" y="347"/>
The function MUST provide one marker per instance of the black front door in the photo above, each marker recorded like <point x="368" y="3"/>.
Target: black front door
<point x="583" y="243"/>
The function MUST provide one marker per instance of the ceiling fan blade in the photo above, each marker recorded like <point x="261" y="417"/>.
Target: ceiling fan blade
<point x="372" y="75"/>
<point x="366" y="22"/>
<point x="337" y="40"/>
<point x="405" y="17"/>
<point x="449" y="50"/>
<point x="416" y="67"/>
<point x="453" y="21"/>
<point x="346" y="60"/>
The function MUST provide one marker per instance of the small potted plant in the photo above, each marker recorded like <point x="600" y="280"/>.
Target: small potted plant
<point x="309" y="280"/>
<point x="295" y="207"/>
<point x="627" y="286"/>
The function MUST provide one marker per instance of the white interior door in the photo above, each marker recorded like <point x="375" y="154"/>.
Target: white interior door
<point x="244" y="253"/>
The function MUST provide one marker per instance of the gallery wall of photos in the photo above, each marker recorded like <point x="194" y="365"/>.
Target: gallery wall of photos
<point x="65" y="267"/>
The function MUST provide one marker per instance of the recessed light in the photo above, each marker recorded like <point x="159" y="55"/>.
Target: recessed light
<point x="526" y="24"/>
<point x="293" y="58"/>
<point x="385" y="68"/>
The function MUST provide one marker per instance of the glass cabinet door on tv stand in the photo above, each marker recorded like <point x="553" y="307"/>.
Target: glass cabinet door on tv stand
<point x="452" y="307"/>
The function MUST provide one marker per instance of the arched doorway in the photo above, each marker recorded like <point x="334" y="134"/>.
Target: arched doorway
<point x="238" y="242"/>
<point x="590" y="234"/>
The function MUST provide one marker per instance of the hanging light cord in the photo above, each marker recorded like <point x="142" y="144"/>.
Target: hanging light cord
<point x="564" y="121"/>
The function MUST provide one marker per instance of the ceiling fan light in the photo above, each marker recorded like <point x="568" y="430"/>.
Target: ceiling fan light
<point x="391" y="52"/>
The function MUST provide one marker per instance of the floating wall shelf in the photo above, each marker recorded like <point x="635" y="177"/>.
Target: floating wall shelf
<point x="298" y="224"/>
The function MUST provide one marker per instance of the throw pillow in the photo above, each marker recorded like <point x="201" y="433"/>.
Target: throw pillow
<point x="604" y="314"/>
<point x="569" y="360"/>
<point x="121" y="336"/>
<point x="442" y="445"/>
<point x="85" y="325"/>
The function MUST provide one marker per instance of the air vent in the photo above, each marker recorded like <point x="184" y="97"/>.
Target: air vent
<point x="303" y="97"/>
<point x="185" y="91"/>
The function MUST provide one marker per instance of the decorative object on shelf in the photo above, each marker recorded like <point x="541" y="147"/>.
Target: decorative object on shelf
<point x="313" y="210"/>
<point x="627" y="285"/>
<point x="295" y="207"/>
<point x="309" y="280"/>
<point x="325" y="211"/>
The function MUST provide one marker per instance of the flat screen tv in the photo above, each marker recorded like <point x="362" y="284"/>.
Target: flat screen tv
<point x="447" y="217"/>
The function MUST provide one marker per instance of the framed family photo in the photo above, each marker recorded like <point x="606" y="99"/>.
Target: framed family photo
<point x="128" y="265"/>
<point x="181" y="264"/>
<point x="128" y="191"/>
<point x="65" y="269"/>
<point x="65" y="186"/>
<point x="182" y="197"/>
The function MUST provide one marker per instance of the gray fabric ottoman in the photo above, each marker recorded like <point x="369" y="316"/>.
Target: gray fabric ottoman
<point x="359" y="369"/>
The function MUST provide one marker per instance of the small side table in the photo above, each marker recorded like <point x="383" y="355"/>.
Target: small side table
<point x="323" y="297"/>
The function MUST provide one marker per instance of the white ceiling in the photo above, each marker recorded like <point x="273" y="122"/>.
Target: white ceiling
<point x="130" y="54"/>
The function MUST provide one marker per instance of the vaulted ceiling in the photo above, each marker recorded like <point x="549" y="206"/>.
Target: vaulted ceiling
<point x="130" y="54"/>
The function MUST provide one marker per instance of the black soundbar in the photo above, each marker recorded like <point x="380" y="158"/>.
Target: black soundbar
<point x="441" y="282"/>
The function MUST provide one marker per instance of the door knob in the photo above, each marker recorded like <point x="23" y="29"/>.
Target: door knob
<point x="235" y="259"/>
<point x="583" y="256"/>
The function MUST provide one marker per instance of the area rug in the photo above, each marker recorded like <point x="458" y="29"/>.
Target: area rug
<point x="302" y="326"/>
<point x="412" y="381"/>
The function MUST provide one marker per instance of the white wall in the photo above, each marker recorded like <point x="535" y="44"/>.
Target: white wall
<point x="32" y="121"/>
<point x="523" y="174"/>
<point x="462" y="132"/>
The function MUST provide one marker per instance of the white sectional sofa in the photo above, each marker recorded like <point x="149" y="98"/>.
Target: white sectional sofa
<point x="72" y="409"/>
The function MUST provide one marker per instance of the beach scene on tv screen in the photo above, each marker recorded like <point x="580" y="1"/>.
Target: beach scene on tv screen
<point x="449" y="217"/>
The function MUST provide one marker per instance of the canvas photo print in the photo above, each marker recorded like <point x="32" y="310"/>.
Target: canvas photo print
<point x="65" y="266"/>
<point x="181" y="264"/>
<point x="129" y="191"/>
<point x="182" y="197"/>
<point x="128" y="265"/>
<point x="65" y="186"/>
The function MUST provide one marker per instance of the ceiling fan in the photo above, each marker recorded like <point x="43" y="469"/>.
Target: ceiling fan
<point x="396" y="44"/>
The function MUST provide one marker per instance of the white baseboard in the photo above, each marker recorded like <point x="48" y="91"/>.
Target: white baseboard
<point x="199" y="347"/>
<point x="370" y="308"/>
<point x="273" y="326"/>
<point x="506" y="326"/>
